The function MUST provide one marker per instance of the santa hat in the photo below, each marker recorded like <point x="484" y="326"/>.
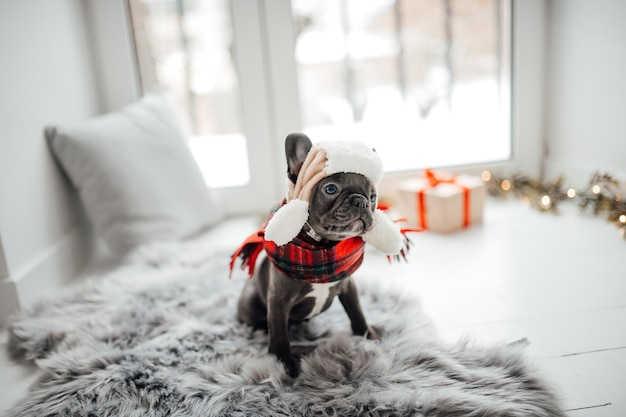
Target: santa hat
<point x="324" y="159"/>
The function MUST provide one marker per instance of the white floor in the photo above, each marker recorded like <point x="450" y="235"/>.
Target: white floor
<point x="558" y="280"/>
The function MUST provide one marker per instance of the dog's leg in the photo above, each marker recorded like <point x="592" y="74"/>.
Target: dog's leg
<point x="251" y="308"/>
<point x="278" y="322"/>
<point x="350" y="300"/>
<point x="279" y="303"/>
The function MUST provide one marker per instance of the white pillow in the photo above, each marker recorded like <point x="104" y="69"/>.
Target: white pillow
<point x="135" y="175"/>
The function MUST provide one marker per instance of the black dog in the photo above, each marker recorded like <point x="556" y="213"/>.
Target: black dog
<point x="342" y="206"/>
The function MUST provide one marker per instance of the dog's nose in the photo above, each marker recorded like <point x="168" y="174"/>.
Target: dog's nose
<point x="359" y="201"/>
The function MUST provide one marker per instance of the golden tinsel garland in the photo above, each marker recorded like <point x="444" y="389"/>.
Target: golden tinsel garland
<point x="601" y="197"/>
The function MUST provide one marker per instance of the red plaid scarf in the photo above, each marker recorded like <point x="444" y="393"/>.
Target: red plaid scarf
<point x="304" y="259"/>
<point x="307" y="260"/>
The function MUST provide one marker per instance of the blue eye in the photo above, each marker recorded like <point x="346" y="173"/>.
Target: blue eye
<point x="373" y="198"/>
<point x="331" y="189"/>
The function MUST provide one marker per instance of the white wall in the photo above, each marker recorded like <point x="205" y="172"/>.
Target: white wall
<point x="528" y="68"/>
<point x="586" y="82"/>
<point x="113" y="51"/>
<point x="46" y="77"/>
<point x="61" y="61"/>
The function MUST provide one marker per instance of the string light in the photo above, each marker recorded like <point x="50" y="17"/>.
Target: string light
<point x="600" y="197"/>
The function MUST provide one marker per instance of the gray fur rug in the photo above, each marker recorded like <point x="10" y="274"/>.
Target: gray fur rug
<point x="159" y="338"/>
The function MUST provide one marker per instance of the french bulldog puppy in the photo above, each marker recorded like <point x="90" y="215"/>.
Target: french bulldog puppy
<point x="341" y="207"/>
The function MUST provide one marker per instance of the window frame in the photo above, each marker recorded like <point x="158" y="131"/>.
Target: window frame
<point x="270" y="108"/>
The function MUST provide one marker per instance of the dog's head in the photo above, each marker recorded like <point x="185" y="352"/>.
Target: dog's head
<point x="342" y="205"/>
<point x="332" y="195"/>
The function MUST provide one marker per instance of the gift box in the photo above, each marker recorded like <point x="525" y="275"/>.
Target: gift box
<point x="442" y="203"/>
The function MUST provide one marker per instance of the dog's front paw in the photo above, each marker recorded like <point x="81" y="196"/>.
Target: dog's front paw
<point x="374" y="333"/>
<point x="292" y="366"/>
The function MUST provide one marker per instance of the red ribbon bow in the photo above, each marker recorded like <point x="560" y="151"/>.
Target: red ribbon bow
<point x="433" y="181"/>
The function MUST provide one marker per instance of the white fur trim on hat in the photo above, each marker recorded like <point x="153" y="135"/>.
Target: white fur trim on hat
<point x="287" y="222"/>
<point x="352" y="156"/>
<point x="385" y="235"/>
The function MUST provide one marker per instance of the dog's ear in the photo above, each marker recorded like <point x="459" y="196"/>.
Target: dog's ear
<point x="297" y="146"/>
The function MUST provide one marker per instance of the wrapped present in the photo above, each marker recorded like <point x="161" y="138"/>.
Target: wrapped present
<point x="442" y="203"/>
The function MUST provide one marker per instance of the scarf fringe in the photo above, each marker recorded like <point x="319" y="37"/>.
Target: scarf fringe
<point x="248" y="252"/>
<point x="407" y="242"/>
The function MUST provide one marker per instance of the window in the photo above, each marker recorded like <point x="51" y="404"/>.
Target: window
<point x="187" y="47"/>
<point x="425" y="82"/>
